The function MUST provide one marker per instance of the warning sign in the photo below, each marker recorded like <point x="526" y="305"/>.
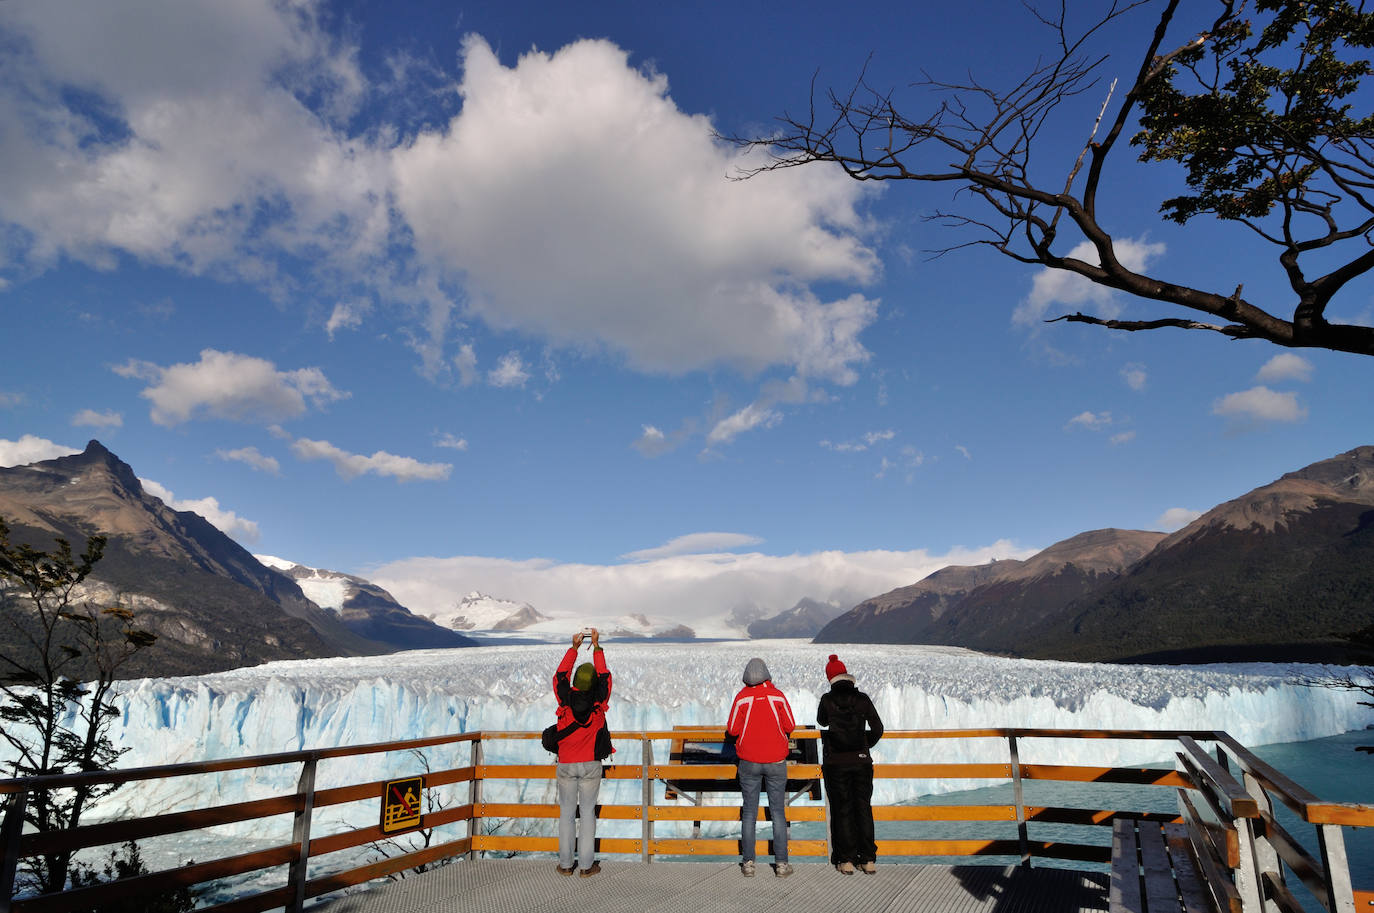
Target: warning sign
<point x="401" y="804"/>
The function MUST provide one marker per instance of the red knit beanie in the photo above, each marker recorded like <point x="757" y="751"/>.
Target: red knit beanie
<point x="834" y="668"/>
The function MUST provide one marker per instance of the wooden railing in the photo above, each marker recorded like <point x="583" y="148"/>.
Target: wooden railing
<point x="1226" y="799"/>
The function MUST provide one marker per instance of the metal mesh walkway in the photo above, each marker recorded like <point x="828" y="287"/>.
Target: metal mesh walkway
<point x="532" y="886"/>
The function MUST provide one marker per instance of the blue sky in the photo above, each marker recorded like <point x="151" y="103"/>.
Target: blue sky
<point x="468" y="282"/>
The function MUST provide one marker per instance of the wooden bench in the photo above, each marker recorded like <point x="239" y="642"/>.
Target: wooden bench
<point x="1154" y="870"/>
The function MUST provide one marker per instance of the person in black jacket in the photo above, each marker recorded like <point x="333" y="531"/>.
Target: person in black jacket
<point x="852" y="727"/>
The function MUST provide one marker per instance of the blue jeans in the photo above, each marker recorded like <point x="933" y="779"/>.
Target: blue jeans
<point x="578" y="785"/>
<point x="773" y="777"/>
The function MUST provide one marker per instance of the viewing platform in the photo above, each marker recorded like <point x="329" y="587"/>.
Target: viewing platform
<point x="1232" y="834"/>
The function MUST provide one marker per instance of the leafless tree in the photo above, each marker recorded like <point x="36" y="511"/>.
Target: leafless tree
<point x="1256" y="107"/>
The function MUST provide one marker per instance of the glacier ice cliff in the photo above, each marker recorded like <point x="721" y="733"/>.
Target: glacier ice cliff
<point x="289" y="706"/>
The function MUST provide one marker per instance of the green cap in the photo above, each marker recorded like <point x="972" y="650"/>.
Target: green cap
<point x="584" y="676"/>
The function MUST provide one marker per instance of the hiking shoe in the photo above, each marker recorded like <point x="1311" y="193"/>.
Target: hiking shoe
<point x="588" y="873"/>
<point x="747" y="867"/>
<point x="869" y="868"/>
<point x="568" y="871"/>
<point x="845" y="868"/>
<point x="783" y="869"/>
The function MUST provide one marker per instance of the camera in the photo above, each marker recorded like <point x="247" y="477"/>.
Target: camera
<point x="588" y="632"/>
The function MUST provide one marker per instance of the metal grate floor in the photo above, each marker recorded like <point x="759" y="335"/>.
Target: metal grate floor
<point x="532" y="886"/>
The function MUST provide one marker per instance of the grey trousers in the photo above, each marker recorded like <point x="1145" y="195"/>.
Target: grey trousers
<point x="578" y="785"/>
<point x="754" y="777"/>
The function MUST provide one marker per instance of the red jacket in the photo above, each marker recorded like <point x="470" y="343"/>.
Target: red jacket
<point x="580" y="744"/>
<point x="760" y="720"/>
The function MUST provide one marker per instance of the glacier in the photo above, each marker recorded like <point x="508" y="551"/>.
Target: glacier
<point x="296" y="705"/>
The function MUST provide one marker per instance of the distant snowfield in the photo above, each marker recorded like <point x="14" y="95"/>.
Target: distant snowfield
<point x="286" y="706"/>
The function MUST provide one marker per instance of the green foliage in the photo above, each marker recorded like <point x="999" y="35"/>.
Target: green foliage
<point x="130" y="865"/>
<point x="56" y="692"/>
<point x="1263" y="117"/>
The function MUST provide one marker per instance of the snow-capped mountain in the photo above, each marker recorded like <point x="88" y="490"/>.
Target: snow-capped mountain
<point x="365" y="608"/>
<point x="480" y="612"/>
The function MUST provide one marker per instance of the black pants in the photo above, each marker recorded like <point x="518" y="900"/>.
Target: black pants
<point x="850" y="789"/>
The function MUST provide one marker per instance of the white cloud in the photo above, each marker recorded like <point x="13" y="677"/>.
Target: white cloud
<point x="646" y="247"/>
<point x="466" y="363"/>
<point x="31" y="449"/>
<point x="351" y="465"/>
<point x="1093" y="421"/>
<point x="750" y="417"/>
<point x="696" y="590"/>
<point x="10" y="400"/>
<point x="964" y="451"/>
<point x="252" y="457"/>
<point x="347" y="315"/>
<point x="226" y="521"/>
<point x="1052" y="287"/>
<point x="694" y="544"/>
<point x="509" y="371"/>
<point x="451" y="442"/>
<point x="230" y="386"/>
<point x="1176" y="518"/>
<point x="1262" y="404"/>
<point x="907" y="461"/>
<point x="1134" y="376"/>
<point x="205" y="136"/>
<point x="652" y="442"/>
<point x="868" y="440"/>
<point x="218" y="139"/>
<point x="1285" y="366"/>
<point x="92" y="419"/>
<point x="1122" y="438"/>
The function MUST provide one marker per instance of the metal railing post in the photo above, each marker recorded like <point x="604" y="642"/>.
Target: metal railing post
<point x="1022" y="833"/>
<point x="475" y="794"/>
<point x="300" y="833"/>
<point x="10" y="832"/>
<point x="646" y="797"/>
<point x="1337" y="866"/>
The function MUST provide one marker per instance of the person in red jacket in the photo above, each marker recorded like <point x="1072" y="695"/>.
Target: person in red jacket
<point x="582" y="698"/>
<point x="760" y="720"/>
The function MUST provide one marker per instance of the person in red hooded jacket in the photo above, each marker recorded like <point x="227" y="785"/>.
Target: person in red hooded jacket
<point x="582" y="699"/>
<point x="760" y="720"/>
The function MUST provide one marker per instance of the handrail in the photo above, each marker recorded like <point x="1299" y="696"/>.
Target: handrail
<point x="1224" y="811"/>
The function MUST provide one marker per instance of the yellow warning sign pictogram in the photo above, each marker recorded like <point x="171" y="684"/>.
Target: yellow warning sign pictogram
<point x="401" y="804"/>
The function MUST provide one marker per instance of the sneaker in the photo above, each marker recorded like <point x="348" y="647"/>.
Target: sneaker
<point x="845" y="868"/>
<point x="588" y="873"/>
<point x="783" y="869"/>
<point x="869" y="868"/>
<point x="568" y="871"/>
<point x="747" y="867"/>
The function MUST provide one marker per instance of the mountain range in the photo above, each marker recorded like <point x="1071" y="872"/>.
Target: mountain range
<point x="1282" y="573"/>
<point x="212" y="604"/>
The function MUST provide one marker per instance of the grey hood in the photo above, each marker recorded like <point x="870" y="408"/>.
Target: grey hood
<point x="756" y="672"/>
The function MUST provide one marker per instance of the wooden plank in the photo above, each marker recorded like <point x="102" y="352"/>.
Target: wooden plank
<point x="1089" y="816"/>
<point x="944" y="813"/>
<point x="1124" y="894"/>
<point x="533" y="844"/>
<point x="332" y="843"/>
<point x="338" y="880"/>
<point x="108" y="832"/>
<point x="942" y="771"/>
<point x="545" y="810"/>
<point x="724" y="846"/>
<point x="1146" y="776"/>
<point x="1157" y="876"/>
<point x="157" y="882"/>
<point x="1352" y="814"/>
<point x="1219" y="839"/>
<point x="1183" y="856"/>
<point x="1278" y="892"/>
<point x="1303" y="863"/>
<point x="949" y="847"/>
<point x="729" y="813"/>
<point x="1290" y="793"/>
<point x="1364" y="900"/>
<point x="1238" y="799"/>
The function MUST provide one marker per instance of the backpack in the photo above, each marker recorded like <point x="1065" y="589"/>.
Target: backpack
<point x="553" y="735"/>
